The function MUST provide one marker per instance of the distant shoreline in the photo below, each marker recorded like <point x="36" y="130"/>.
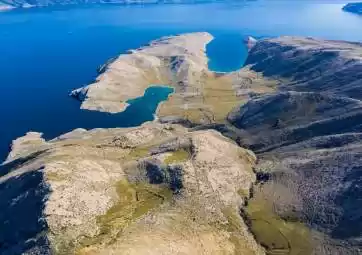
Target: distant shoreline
<point x="355" y="8"/>
<point x="50" y="3"/>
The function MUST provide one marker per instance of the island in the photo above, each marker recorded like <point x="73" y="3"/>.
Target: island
<point x="353" y="7"/>
<point x="263" y="160"/>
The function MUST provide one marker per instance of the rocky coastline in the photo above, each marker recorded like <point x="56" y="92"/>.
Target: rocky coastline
<point x="179" y="62"/>
<point x="263" y="160"/>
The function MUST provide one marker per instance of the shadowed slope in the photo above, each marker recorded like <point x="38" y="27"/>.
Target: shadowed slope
<point x="307" y="64"/>
<point x="285" y="118"/>
<point x="22" y="221"/>
<point x="308" y="140"/>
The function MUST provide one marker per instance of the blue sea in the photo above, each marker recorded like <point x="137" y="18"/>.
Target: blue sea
<point x="45" y="53"/>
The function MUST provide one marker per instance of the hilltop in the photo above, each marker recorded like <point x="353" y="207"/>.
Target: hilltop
<point x="155" y="189"/>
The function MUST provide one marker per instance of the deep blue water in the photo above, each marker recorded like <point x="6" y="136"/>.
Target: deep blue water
<point x="45" y="53"/>
<point x="227" y="52"/>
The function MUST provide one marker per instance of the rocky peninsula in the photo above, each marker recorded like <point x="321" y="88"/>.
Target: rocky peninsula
<point x="264" y="160"/>
<point x="201" y="96"/>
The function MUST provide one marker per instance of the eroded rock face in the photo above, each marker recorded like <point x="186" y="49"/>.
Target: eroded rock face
<point x="155" y="189"/>
<point x="250" y="42"/>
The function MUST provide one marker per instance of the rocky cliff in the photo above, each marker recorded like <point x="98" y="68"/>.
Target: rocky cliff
<point x="353" y="7"/>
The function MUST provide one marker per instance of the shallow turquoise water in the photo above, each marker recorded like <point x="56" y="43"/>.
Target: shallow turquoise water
<point x="145" y="107"/>
<point x="46" y="53"/>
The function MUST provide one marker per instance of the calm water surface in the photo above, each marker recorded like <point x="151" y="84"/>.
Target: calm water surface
<point x="143" y="108"/>
<point x="46" y="53"/>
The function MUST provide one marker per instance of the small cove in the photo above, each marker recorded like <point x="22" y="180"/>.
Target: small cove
<point x="227" y="52"/>
<point x="145" y="107"/>
<point x="139" y="110"/>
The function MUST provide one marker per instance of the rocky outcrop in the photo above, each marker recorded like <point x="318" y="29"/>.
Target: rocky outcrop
<point x="154" y="189"/>
<point x="250" y="42"/>
<point x="353" y="7"/>
<point x="307" y="140"/>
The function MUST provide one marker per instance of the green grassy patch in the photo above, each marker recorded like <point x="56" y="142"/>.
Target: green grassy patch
<point x="139" y="152"/>
<point x="276" y="235"/>
<point x="135" y="200"/>
<point x="177" y="156"/>
<point x="233" y="219"/>
<point x="53" y="176"/>
<point x="234" y="226"/>
<point x="244" y="193"/>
